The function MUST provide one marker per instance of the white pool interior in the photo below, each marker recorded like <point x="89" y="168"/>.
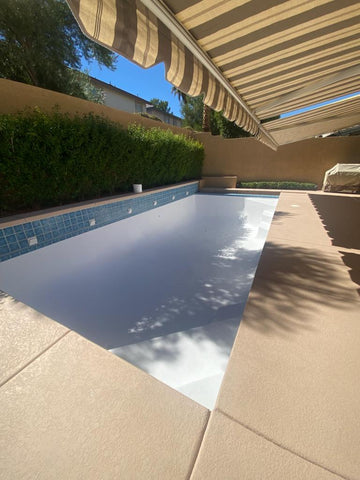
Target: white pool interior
<point x="164" y="289"/>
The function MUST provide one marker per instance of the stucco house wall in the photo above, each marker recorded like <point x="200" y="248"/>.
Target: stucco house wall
<point x="120" y="99"/>
<point x="123" y="102"/>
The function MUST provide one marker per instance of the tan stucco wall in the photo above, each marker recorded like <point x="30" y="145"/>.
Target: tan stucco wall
<point x="246" y="158"/>
<point x="15" y="96"/>
<point x="301" y="161"/>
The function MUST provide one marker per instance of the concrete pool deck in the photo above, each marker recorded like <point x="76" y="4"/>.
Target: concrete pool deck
<point x="288" y="407"/>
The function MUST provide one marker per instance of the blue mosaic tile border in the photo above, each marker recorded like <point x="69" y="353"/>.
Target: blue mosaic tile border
<point x="29" y="236"/>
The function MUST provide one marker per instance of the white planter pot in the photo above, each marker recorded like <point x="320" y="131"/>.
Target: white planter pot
<point x="137" y="187"/>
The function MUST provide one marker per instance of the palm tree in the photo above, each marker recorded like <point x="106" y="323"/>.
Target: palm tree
<point x="206" y="118"/>
<point x="206" y="110"/>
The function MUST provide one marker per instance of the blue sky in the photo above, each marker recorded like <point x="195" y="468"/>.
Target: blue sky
<point x="312" y="107"/>
<point x="145" y="83"/>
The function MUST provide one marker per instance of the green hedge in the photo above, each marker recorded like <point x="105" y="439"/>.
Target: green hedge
<point x="279" y="185"/>
<point x="52" y="159"/>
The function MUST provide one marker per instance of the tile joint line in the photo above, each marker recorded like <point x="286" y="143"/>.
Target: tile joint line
<point x="34" y="358"/>
<point x="199" y="444"/>
<point x="259" y="434"/>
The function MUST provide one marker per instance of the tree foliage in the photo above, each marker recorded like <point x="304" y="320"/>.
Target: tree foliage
<point x="192" y="110"/>
<point x="226" y="128"/>
<point x="41" y="44"/>
<point x="162" y="105"/>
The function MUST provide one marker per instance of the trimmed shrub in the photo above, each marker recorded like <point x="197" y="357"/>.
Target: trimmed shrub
<point x="284" y="185"/>
<point x="165" y="157"/>
<point x="53" y="159"/>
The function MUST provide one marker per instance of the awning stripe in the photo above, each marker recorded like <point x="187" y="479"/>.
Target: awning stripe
<point x="285" y="11"/>
<point x="147" y="40"/>
<point x="206" y="10"/>
<point x="280" y="88"/>
<point x="197" y="79"/>
<point x="310" y="71"/>
<point x="279" y="37"/>
<point x="175" y="73"/>
<point x="339" y="90"/>
<point x="295" y="49"/>
<point x="319" y="85"/>
<point x="126" y="44"/>
<point x="305" y="62"/>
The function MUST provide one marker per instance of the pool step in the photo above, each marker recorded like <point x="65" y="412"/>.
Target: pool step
<point x="192" y="361"/>
<point x="227" y="181"/>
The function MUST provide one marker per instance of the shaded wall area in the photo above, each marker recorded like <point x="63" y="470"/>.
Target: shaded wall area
<point x="15" y="97"/>
<point x="340" y="216"/>
<point x="250" y="160"/>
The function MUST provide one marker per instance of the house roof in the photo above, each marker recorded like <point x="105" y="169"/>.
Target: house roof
<point x="101" y="84"/>
<point x="252" y="59"/>
<point x="151" y="107"/>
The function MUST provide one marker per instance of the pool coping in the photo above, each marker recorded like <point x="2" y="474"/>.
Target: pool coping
<point x="225" y="426"/>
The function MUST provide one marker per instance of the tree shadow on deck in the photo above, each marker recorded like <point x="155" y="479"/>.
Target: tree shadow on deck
<point x="293" y="287"/>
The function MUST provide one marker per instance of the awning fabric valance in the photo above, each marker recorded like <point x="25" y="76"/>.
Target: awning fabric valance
<point x="130" y="29"/>
<point x="273" y="56"/>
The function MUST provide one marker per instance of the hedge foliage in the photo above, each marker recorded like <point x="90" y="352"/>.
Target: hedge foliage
<point x="284" y="185"/>
<point x="53" y="159"/>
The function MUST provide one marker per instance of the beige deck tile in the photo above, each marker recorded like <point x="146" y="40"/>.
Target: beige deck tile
<point x="80" y="412"/>
<point x="24" y="334"/>
<point x="296" y="384"/>
<point x="296" y="220"/>
<point x="232" y="452"/>
<point x="292" y="374"/>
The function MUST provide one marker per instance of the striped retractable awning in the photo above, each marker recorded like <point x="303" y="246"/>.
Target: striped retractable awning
<point x="252" y="59"/>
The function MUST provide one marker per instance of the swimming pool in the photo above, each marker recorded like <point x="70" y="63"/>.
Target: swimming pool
<point x="164" y="289"/>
